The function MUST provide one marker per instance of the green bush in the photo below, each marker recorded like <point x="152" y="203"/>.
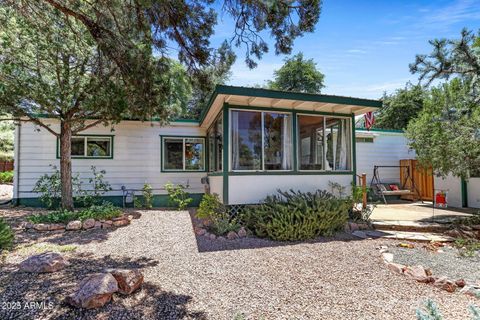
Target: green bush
<point x="177" y="195"/>
<point x="6" y="177"/>
<point x="146" y="201"/>
<point x="6" y="235"/>
<point x="291" y="216"/>
<point x="430" y="311"/>
<point x="213" y="210"/>
<point x="104" y="211"/>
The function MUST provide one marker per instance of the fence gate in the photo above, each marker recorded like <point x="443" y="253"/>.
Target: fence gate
<point x="422" y="177"/>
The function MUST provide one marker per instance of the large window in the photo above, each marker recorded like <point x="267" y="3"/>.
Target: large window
<point x="324" y="143"/>
<point x="215" y="144"/>
<point x="183" y="154"/>
<point x="261" y="140"/>
<point x="91" y="147"/>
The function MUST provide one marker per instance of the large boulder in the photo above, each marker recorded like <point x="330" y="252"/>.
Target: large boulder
<point x="94" y="291"/>
<point x="128" y="280"/>
<point x="417" y="273"/>
<point x="74" y="225"/>
<point x="44" y="262"/>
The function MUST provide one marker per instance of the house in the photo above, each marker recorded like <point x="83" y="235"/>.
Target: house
<point x="248" y="143"/>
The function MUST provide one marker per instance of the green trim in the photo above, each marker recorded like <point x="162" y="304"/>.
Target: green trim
<point x="186" y="120"/>
<point x="226" y="150"/>
<point x="112" y="137"/>
<point x="215" y="174"/>
<point x="464" y="191"/>
<point x="274" y="94"/>
<point x="159" y="200"/>
<point x="294" y="141"/>
<point x="354" y="151"/>
<point x="380" y="130"/>
<point x="288" y="173"/>
<point x="182" y="137"/>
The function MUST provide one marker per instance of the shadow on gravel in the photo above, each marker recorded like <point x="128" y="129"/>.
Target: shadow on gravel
<point x="20" y="291"/>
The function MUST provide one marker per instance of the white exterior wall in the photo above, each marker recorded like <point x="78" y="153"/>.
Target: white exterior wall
<point x="250" y="189"/>
<point x="136" y="157"/>
<point x="216" y="185"/>
<point x="387" y="149"/>
<point x="454" y="187"/>
<point x="473" y="192"/>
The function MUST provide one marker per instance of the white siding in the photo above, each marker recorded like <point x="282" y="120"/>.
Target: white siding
<point x="453" y="186"/>
<point x="251" y="189"/>
<point x="216" y="185"/>
<point x="136" y="156"/>
<point x="473" y="192"/>
<point x="387" y="149"/>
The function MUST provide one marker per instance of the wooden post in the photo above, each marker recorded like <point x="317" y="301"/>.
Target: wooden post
<point x="364" y="190"/>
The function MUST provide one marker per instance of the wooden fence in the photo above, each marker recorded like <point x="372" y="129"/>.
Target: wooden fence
<point x="6" y="166"/>
<point x="422" y="178"/>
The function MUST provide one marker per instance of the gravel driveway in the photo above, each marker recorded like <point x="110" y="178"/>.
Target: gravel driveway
<point x="193" y="278"/>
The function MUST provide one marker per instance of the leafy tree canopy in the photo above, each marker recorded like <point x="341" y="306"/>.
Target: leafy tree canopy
<point x="400" y="107"/>
<point x="446" y="134"/>
<point x="298" y="75"/>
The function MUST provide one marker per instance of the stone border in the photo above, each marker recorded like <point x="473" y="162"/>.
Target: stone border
<point x="424" y="275"/>
<point x="77" y="225"/>
<point x="200" y="229"/>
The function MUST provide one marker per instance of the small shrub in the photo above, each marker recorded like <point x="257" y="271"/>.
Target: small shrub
<point x="467" y="247"/>
<point x="431" y="312"/>
<point x="104" y="211"/>
<point x="6" y="235"/>
<point x="291" y="216"/>
<point x="99" y="188"/>
<point x="6" y="177"/>
<point x="178" y="196"/>
<point x="213" y="210"/>
<point x="147" y="196"/>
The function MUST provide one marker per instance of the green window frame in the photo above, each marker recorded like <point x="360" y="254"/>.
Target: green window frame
<point x="365" y="139"/>
<point x="86" y="138"/>
<point x="184" y="164"/>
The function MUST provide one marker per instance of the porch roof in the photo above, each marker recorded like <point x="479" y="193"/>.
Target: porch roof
<point x="265" y="98"/>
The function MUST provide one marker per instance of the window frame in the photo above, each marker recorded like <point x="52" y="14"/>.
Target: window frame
<point x="183" y="138"/>
<point x="212" y="128"/>
<point x="230" y="142"/>
<point x="352" y="133"/>
<point x="85" y="138"/>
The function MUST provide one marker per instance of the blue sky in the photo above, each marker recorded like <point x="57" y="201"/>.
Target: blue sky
<point x="364" y="47"/>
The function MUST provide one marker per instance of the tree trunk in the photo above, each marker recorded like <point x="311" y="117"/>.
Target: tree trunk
<point x="66" y="165"/>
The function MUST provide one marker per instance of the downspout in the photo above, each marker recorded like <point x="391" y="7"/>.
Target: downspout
<point x="464" y="191"/>
<point x="16" y="165"/>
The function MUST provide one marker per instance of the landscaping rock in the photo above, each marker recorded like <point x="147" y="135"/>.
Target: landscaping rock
<point x="445" y="284"/>
<point x="128" y="280"/>
<point x="346" y="228"/>
<point x="460" y="283"/>
<point x="94" y="291"/>
<point x="121" y="223"/>
<point x="107" y="224"/>
<point x="395" y="267"/>
<point x="56" y="226"/>
<point x="118" y="218"/>
<point x="360" y="234"/>
<point x="44" y="262"/>
<point x="222" y="238"/>
<point x="212" y="236"/>
<point x="135" y="215"/>
<point x="387" y="257"/>
<point x="41" y="227"/>
<point x="88" y="224"/>
<point x="363" y="226"/>
<point x="242" y="233"/>
<point x="353" y="226"/>
<point x="200" y="231"/>
<point x="232" y="235"/>
<point x="471" y="290"/>
<point x="74" y="225"/>
<point x="417" y="273"/>
<point x="97" y="225"/>
<point x="27" y="225"/>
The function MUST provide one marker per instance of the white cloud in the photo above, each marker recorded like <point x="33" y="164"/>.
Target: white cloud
<point x="360" y="51"/>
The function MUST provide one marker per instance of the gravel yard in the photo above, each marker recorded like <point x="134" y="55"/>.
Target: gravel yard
<point x="188" y="277"/>
<point x="447" y="263"/>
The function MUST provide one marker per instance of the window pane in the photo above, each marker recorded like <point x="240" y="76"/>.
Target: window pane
<point x="219" y="141"/>
<point x="78" y="146"/>
<point x="98" y="147"/>
<point x="278" y="141"/>
<point x="311" y="143"/>
<point x="173" y="154"/>
<point x="194" y="154"/>
<point x="246" y="140"/>
<point x="339" y="139"/>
